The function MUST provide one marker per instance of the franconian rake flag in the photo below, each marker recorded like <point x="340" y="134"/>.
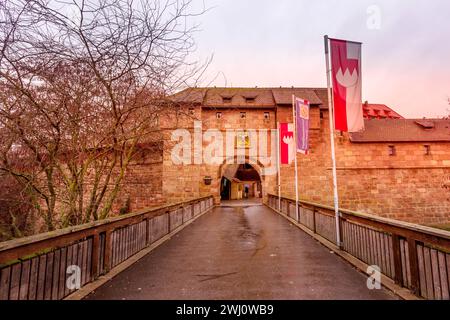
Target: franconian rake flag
<point x="302" y="123"/>
<point x="346" y="75"/>
<point x="287" y="148"/>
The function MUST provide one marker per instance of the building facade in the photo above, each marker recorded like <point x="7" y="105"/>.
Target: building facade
<point x="397" y="168"/>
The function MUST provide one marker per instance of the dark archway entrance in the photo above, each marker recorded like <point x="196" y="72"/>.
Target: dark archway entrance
<point x="240" y="181"/>
<point x="225" y="189"/>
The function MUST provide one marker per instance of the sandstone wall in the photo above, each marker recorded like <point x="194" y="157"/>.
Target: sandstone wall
<point x="142" y="184"/>
<point x="409" y="186"/>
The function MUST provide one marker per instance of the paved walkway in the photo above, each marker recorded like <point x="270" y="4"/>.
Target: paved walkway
<point x="241" y="203"/>
<point x="240" y="253"/>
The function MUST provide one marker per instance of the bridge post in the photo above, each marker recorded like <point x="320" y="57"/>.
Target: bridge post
<point x="182" y="215"/>
<point x="398" y="277"/>
<point x="168" y="222"/>
<point x="340" y="242"/>
<point x="95" y="255"/>
<point x="314" y="220"/>
<point x="107" y="260"/>
<point x="147" y="232"/>
<point x="414" y="266"/>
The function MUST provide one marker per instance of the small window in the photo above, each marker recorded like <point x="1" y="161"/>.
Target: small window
<point x="218" y="115"/>
<point x="427" y="150"/>
<point x="266" y="116"/>
<point x="226" y="99"/>
<point x="392" y="150"/>
<point x="243" y="115"/>
<point x="249" y="99"/>
<point x="191" y="111"/>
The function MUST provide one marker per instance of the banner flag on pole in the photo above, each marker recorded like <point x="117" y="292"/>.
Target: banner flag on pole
<point x="278" y="167"/>
<point x="302" y="122"/>
<point x="346" y="77"/>
<point x="287" y="147"/>
<point x="294" y="116"/>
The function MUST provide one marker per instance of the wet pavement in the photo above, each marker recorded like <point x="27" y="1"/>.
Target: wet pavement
<point x="236" y="252"/>
<point x="242" y="203"/>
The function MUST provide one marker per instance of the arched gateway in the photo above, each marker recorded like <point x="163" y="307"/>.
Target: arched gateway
<point x="240" y="180"/>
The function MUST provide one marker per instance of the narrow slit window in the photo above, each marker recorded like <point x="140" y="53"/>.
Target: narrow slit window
<point x="427" y="149"/>
<point x="392" y="150"/>
<point x="218" y="115"/>
<point x="243" y="115"/>
<point x="266" y="116"/>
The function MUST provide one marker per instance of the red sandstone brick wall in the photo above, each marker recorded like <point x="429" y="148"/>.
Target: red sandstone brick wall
<point x="409" y="186"/>
<point x="181" y="182"/>
<point x="142" y="184"/>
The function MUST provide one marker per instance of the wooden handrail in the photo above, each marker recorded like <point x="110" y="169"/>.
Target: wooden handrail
<point x="38" y="267"/>
<point x="414" y="256"/>
<point x="385" y="221"/>
<point x="22" y="247"/>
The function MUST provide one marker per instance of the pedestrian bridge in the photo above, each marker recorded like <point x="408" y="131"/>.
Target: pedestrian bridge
<point x="239" y="250"/>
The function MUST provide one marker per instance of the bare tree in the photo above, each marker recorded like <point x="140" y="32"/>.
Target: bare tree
<point x="82" y="84"/>
<point x="448" y="110"/>
<point x="16" y="207"/>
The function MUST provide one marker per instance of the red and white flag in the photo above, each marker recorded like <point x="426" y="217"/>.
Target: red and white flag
<point x="346" y="75"/>
<point x="287" y="143"/>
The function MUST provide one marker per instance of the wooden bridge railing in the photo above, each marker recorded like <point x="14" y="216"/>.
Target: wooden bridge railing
<point x="39" y="267"/>
<point x="414" y="256"/>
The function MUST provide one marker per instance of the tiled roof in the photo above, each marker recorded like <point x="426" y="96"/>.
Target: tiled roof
<point x="270" y="97"/>
<point x="189" y="95"/>
<point x="261" y="96"/>
<point x="284" y="95"/>
<point x="379" y="111"/>
<point x="322" y="93"/>
<point x="214" y="96"/>
<point x="403" y="130"/>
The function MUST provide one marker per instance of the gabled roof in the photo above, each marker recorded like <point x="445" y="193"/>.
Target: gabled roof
<point x="379" y="111"/>
<point x="271" y="97"/>
<point x="261" y="96"/>
<point x="214" y="96"/>
<point x="322" y="93"/>
<point x="189" y="95"/>
<point x="403" y="130"/>
<point x="284" y="95"/>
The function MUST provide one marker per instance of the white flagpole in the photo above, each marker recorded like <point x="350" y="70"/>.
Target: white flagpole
<point x="295" y="157"/>
<point x="333" y="154"/>
<point x="278" y="166"/>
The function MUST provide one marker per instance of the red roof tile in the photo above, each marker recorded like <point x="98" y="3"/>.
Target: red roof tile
<point x="263" y="96"/>
<point x="379" y="111"/>
<point x="284" y="95"/>
<point x="189" y="95"/>
<point x="270" y="97"/>
<point x="403" y="130"/>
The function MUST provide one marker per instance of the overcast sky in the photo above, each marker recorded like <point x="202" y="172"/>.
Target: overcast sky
<point x="406" y="53"/>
